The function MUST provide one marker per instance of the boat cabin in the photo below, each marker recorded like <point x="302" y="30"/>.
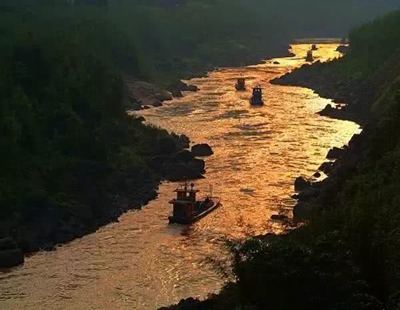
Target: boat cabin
<point x="240" y="84"/>
<point x="310" y="56"/>
<point x="187" y="208"/>
<point x="185" y="201"/>
<point x="256" y="99"/>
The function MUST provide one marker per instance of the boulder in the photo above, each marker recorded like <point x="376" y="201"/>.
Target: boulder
<point x="317" y="174"/>
<point x="276" y="63"/>
<point x="343" y="49"/>
<point x="177" y="93"/>
<point x="163" y="96"/>
<point x="327" y="110"/>
<point x="202" y="150"/>
<point x="301" y="184"/>
<point x="335" y="153"/>
<point x="326" y="168"/>
<point x="279" y="217"/>
<point x="156" y="103"/>
<point x="146" y="107"/>
<point x="177" y="88"/>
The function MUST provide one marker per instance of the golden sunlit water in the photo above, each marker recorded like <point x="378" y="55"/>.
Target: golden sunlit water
<point x="142" y="262"/>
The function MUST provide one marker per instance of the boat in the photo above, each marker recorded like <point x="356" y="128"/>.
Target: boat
<point x="256" y="99"/>
<point x="310" y="57"/>
<point x="314" y="47"/>
<point x="240" y="84"/>
<point x="187" y="209"/>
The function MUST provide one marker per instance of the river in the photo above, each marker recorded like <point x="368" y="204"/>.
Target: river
<point x="144" y="263"/>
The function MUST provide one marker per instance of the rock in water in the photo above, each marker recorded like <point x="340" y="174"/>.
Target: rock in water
<point x="301" y="184"/>
<point x="317" y="174"/>
<point x="202" y="150"/>
<point x="279" y="217"/>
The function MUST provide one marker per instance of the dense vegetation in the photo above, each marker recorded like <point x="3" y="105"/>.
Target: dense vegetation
<point x="68" y="152"/>
<point x="347" y="256"/>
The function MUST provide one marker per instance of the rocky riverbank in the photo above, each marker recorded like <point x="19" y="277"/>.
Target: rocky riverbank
<point x="48" y="227"/>
<point x="352" y="100"/>
<point x="342" y="163"/>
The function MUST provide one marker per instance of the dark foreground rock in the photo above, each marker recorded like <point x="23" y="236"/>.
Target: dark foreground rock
<point x="202" y="150"/>
<point x="10" y="254"/>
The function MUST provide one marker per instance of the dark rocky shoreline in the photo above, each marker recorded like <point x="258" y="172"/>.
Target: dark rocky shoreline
<point x="353" y="99"/>
<point x="48" y="228"/>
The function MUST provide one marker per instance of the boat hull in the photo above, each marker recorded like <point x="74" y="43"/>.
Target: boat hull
<point x="216" y="203"/>
<point x="256" y="102"/>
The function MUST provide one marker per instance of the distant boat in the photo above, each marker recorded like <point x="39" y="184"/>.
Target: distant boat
<point x="310" y="57"/>
<point x="314" y="47"/>
<point x="256" y="98"/>
<point x="187" y="209"/>
<point x="240" y="84"/>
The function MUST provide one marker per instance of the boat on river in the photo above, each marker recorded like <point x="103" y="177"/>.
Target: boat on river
<point x="187" y="209"/>
<point x="256" y="98"/>
<point x="310" y="57"/>
<point x="240" y="84"/>
<point x="314" y="47"/>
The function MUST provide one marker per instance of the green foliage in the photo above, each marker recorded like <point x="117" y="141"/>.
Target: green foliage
<point x="288" y="273"/>
<point x="64" y="132"/>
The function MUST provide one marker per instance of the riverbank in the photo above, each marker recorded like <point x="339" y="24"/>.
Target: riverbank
<point x="347" y="253"/>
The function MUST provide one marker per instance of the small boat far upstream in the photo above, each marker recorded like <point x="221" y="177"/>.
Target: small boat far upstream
<point x="310" y="57"/>
<point x="240" y="84"/>
<point x="187" y="209"/>
<point x="314" y="47"/>
<point x="256" y="99"/>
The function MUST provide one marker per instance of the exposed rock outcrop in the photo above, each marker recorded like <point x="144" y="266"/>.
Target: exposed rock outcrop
<point x="202" y="150"/>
